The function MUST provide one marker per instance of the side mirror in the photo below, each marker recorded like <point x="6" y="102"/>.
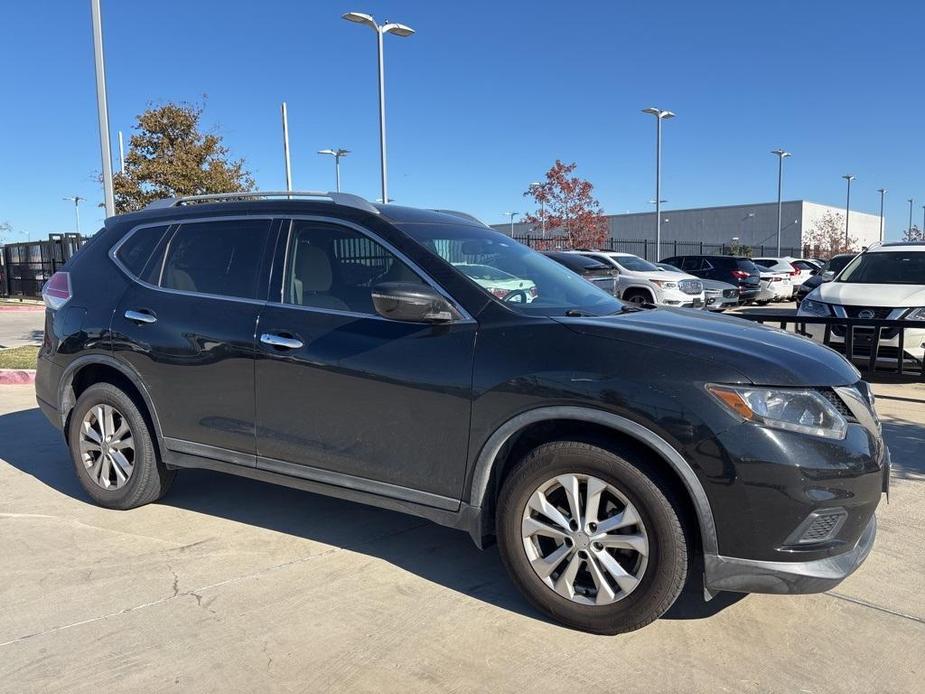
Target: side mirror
<point x="412" y="302"/>
<point x="828" y="276"/>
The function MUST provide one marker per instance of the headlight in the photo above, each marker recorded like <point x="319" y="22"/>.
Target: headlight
<point x="665" y="284"/>
<point x="803" y="411"/>
<point x="809" y="307"/>
<point x="916" y="314"/>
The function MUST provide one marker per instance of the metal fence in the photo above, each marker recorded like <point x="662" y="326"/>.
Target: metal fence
<point x="26" y="266"/>
<point x="860" y="339"/>
<point x="645" y="248"/>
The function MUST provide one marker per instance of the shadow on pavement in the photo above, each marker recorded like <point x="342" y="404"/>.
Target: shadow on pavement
<point x="907" y="447"/>
<point x="441" y="555"/>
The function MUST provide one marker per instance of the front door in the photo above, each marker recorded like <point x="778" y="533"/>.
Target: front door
<point x="187" y="327"/>
<point x="347" y="397"/>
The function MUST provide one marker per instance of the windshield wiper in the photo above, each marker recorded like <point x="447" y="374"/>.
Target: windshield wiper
<point x="576" y="313"/>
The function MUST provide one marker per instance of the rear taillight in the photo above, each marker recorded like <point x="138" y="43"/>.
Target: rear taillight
<point x="57" y="290"/>
<point x="739" y="274"/>
<point x="795" y="271"/>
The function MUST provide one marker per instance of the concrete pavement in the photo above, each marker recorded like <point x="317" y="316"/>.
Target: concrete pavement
<point x="232" y="585"/>
<point x="21" y="327"/>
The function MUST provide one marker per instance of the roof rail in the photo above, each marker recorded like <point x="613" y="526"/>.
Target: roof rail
<point x="345" y="199"/>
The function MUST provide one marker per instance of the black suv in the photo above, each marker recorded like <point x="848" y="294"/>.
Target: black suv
<point x="337" y="346"/>
<point x="735" y="270"/>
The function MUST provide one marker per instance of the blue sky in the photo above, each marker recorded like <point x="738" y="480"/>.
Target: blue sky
<point x="483" y="98"/>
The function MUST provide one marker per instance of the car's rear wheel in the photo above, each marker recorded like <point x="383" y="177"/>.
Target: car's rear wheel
<point x="592" y="537"/>
<point x="640" y="298"/>
<point x="112" y="450"/>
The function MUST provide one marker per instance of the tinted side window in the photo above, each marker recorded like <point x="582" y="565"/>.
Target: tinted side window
<point x="334" y="267"/>
<point x="221" y="257"/>
<point x="137" y="248"/>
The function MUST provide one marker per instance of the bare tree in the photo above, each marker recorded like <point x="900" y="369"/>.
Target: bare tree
<point x="828" y="235"/>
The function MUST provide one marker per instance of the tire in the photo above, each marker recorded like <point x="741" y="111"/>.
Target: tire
<point x="638" y="297"/>
<point x="665" y="566"/>
<point x="146" y="479"/>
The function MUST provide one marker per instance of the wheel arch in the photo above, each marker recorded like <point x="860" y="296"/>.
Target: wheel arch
<point x="96" y="368"/>
<point x="491" y="458"/>
<point x="639" y="289"/>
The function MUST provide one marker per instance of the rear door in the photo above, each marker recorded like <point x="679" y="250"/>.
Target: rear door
<point x="347" y="397"/>
<point x="186" y="325"/>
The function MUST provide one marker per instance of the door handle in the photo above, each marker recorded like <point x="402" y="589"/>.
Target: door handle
<point x="280" y="341"/>
<point x="140" y="316"/>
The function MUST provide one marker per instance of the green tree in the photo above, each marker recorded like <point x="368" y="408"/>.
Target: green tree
<point x="169" y="156"/>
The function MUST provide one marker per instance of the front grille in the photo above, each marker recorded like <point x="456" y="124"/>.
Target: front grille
<point x="879" y="312"/>
<point x="690" y="286"/>
<point x="837" y="402"/>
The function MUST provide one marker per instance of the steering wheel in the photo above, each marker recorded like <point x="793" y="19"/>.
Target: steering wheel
<point x="521" y="295"/>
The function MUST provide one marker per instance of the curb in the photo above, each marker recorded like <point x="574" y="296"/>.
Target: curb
<point x="21" y="309"/>
<point x="9" y="377"/>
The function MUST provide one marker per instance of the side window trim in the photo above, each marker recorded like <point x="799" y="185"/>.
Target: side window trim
<point x="277" y="291"/>
<point x="174" y="226"/>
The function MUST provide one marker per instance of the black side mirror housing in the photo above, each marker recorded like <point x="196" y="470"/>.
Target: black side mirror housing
<point x="412" y="302"/>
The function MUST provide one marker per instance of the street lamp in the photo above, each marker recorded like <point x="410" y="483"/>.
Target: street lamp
<point x="388" y="28"/>
<point x="512" y="215"/>
<point x="337" y="153"/>
<point x="849" y="178"/>
<point x="536" y="185"/>
<point x="911" y="200"/>
<point x="882" y="192"/>
<point x="76" y="199"/>
<point x="781" y="155"/>
<point x="660" y="115"/>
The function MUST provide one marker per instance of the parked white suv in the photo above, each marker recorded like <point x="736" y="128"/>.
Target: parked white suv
<point x="641" y="282"/>
<point x="886" y="281"/>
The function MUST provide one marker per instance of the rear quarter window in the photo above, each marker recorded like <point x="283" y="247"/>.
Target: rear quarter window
<point x="136" y="250"/>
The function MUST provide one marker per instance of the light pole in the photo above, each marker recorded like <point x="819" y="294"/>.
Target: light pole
<point x="911" y="200"/>
<point x="76" y="199"/>
<point x="284" y="112"/>
<point x="121" y="154"/>
<point x="381" y="30"/>
<point x="536" y="185"/>
<point x="102" y="107"/>
<point x="337" y="153"/>
<point x="512" y="215"/>
<point x="882" y="192"/>
<point x="660" y="115"/>
<point x="849" y="178"/>
<point x="781" y="155"/>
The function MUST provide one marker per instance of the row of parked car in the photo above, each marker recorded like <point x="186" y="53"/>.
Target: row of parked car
<point x="712" y="282"/>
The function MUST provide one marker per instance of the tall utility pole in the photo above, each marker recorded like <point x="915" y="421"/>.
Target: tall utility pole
<point x="102" y="107"/>
<point x="660" y="115"/>
<point x="781" y="155"/>
<point x="911" y="200"/>
<point x="400" y="30"/>
<point x="849" y="178"/>
<point x="285" y="115"/>
<point x="882" y="192"/>
<point x="512" y="215"/>
<point x="337" y="153"/>
<point x="121" y="154"/>
<point x="76" y="199"/>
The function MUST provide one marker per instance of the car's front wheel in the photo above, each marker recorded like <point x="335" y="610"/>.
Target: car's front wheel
<point x="592" y="537"/>
<point x="112" y="450"/>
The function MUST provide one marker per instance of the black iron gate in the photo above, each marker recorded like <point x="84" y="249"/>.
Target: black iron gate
<point x="26" y="266"/>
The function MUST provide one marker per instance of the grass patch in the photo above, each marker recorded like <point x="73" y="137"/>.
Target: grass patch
<point x="19" y="357"/>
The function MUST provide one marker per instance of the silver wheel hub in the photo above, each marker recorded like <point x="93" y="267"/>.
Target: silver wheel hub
<point x="107" y="447"/>
<point x="584" y="539"/>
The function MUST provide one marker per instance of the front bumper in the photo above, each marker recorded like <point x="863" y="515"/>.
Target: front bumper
<point x="817" y="576"/>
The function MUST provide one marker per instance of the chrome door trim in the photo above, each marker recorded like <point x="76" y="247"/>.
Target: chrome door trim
<point x="280" y="341"/>
<point x="139" y="317"/>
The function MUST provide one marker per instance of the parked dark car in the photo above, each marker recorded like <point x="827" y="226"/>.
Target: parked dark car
<point x="735" y="270"/>
<point x="333" y="345"/>
<point x="828" y="272"/>
<point x="595" y="271"/>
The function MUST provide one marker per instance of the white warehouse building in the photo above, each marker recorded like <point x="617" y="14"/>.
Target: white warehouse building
<point x="753" y="225"/>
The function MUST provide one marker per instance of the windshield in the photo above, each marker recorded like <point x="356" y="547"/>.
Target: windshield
<point x="888" y="267"/>
<point x="558" y="290"/>
<point x="483" y="272"/>
<point x="634" y="263"/>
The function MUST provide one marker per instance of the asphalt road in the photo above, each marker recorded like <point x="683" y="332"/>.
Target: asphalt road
<point x="19" y="328"/>
<point x="229" y="585"/>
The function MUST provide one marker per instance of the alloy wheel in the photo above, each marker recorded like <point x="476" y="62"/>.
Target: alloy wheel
<point x="107" y="447"/>
<point x="584" y="539"/>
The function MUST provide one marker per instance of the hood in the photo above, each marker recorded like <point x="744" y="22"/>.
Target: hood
<point x="763" y="355"/>
<point x="664" y="275"/>
<point x="885" y="295"/>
